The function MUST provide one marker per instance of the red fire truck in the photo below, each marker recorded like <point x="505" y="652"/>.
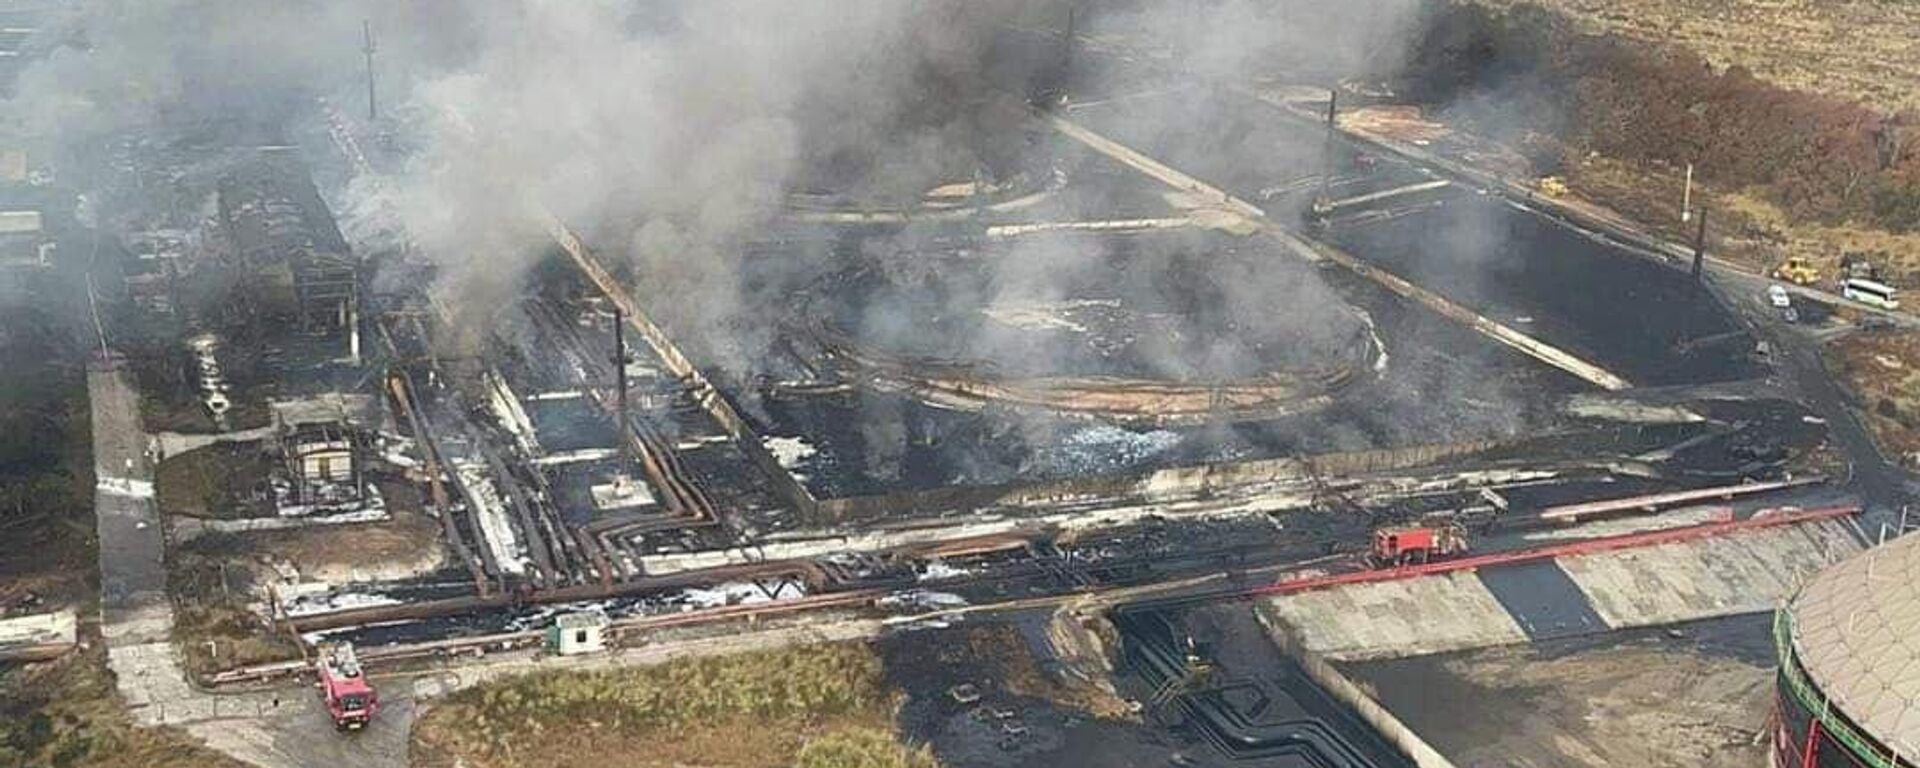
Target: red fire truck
<point x="1408" y="545"/>
<point x="350" y="699"/>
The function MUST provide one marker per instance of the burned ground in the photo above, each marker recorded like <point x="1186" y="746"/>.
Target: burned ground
<point x="985" y="695"/>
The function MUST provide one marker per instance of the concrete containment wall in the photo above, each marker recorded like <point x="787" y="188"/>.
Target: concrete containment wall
<point x="1410" y="617"/>
<point x="1741" y="573"/>
<point x="1344" y="690"/>
<point x="1749" y="571"/>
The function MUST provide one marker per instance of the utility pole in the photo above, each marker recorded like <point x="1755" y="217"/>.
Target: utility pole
<point x="1066" y="52"/>
<point x="1322" y="202"/>
<point x="366" y="31"/>
<point x="1700" y="245"/>
<point x="980" y="197"/>
<point x="620" y="382"/>
<point x="1686" y="197"/>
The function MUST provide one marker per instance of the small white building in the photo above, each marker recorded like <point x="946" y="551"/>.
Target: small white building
<point x="38" y="637"/>
<point x="321" y="454"/>
<point x="578" y="633"/>
<point x="320" y="441"/>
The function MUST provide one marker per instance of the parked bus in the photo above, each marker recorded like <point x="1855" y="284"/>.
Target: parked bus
<point x="1870" y="292"/>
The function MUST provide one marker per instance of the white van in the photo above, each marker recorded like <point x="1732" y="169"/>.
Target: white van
<point x="1777" y="296"/>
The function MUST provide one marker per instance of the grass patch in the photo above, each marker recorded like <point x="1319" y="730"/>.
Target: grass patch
<point x="1845" y="49"/>
<point x="223" y="480"/>
<point x="819" y="706"/>
<point x="1882" y="372"/>
<point x="217" y="637"/>
<point x="65" y="714"/>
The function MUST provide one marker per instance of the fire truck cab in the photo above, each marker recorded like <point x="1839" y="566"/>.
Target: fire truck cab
<point x="1408" y="545"/>
<point x="350" y="699"/>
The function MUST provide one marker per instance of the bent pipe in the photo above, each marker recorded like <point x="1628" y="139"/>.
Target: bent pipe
<point x="1147" y="640"/>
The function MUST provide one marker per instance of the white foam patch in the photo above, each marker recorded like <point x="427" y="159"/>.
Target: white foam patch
<point x="939" y="570"/>
<point x="791" y="452"/>
<point x="732" y="593"/>
<point x="122" y="486"/>
<point x="331" y="602"/>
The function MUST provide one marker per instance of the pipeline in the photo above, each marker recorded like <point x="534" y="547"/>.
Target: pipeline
<point x="704" y="392"/>
<point x="1572" y="513"/>
<point x="388" y="656"/>
<point x="807" y="571"/>
<point x="400" y="384"/>
<point x="1150" y="644"/>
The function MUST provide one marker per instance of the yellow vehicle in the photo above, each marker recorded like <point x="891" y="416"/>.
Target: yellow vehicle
<point x="1552" y="186"/>
<point x="1796" y="270"/>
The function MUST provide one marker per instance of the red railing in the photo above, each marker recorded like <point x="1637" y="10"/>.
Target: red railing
<point x="1570" y="549"/>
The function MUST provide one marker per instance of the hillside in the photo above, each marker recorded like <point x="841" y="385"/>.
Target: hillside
<point x="1867" y="51"/>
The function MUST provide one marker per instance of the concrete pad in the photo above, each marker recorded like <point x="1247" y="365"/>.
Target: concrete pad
<point x="297" y="734"/>
<point x="186" y="710"/>
<point x="1747" y="572"/>
<point x="1409" y="617"/>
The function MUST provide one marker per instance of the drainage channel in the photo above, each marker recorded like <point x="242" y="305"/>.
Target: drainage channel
<point x="1215" y="679"/>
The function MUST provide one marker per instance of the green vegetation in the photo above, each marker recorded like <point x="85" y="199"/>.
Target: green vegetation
<point x="824" y="706"/>
<point x="1898" y="205"/>
<point x="46" y="520"/>
<point x="1882" y="372"/>
<point x="64" y="714"/>
<point x="222" y="481"/>
<point x="861" y="748"/>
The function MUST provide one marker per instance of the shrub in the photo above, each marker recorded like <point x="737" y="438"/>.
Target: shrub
<point x="861" y="748"/>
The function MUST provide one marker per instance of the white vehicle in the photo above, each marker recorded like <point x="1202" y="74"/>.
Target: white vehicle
<point x="1870" y="292"/>
<point x="1777" y="296"/>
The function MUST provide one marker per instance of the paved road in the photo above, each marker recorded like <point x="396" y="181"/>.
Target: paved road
<point x="1883" y="486"/>
<point x="269" y="728"/>
<point x="136" y="619"/>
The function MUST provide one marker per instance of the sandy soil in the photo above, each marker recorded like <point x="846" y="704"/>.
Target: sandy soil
<point x="1644" y="699"/>
<point x="406" y="546"/>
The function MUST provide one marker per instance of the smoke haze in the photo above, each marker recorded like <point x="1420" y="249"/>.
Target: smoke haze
<point x="673" y="135"/>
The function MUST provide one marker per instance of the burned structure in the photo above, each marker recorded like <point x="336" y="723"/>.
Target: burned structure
<point x="977" y="350"/>
<point x="299" y="270"/>
<point x="323" y="443"/>
<point x="1134" y="329"/>
<point x="24" y="241"/>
